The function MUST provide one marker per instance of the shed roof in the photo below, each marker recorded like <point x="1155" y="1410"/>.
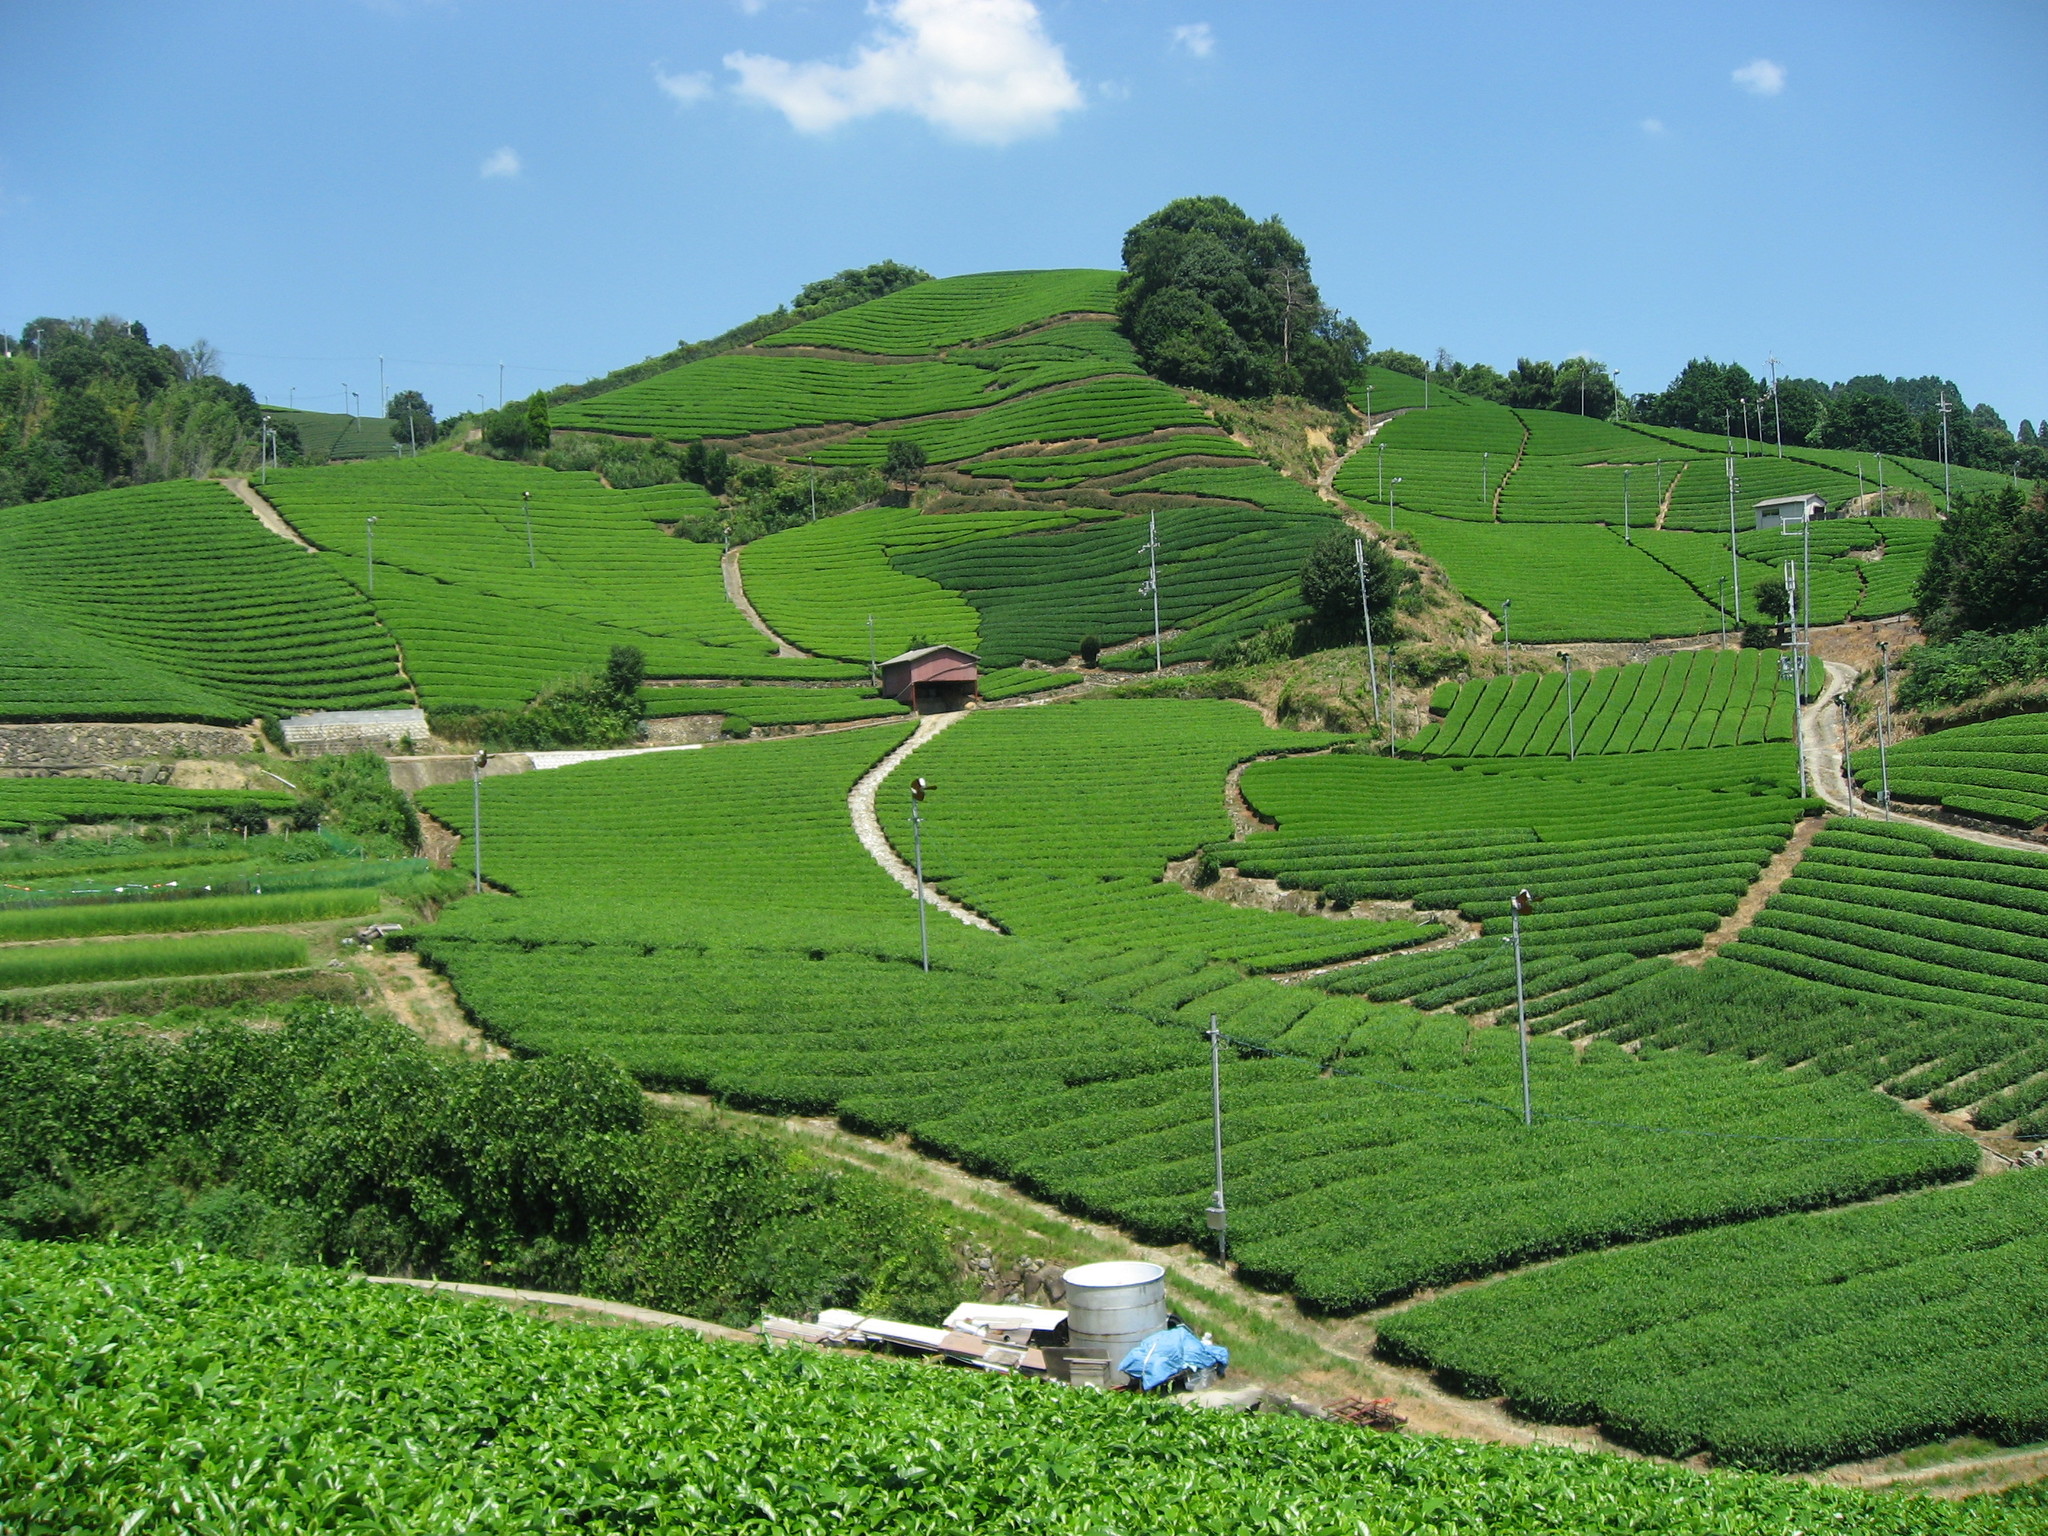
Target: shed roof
<point x="932" y="650"/>
<point x="1786" y="501"/>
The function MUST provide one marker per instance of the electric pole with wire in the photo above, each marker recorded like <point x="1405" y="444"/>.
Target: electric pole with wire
<point x="1152" y="586"/>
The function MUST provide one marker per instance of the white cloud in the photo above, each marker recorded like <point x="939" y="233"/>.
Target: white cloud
<point x="981" y="70"/>
<point x="1653" y="126"/>
<point x="686" y="89"/>
<point x="503" y="162"/>
<point x="1760" y="77"/>
<point x="1196" y="38"/>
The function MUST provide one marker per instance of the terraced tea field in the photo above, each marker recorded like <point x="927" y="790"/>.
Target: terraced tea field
<point x="165" y="602"/>
<point x="498" y="579"/>
<point x="1998" y="769"/>
<point x="1690" y="699"/>
<point x="586" y="1420"/>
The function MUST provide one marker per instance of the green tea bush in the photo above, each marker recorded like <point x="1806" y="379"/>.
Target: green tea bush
<point x="51" y="965"/>
<point x="539" y="1426"/>
<point x="168" y="602"/>
<point x="1755" y="1344"/>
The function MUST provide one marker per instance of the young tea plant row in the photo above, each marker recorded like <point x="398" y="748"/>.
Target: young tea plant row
<point x="771" y="706"/>
<point x="1040" y="594"/>
<point x="1914" y="914"/>
<point x="1787" y="1344"/>
<point x="929" y="317"/>
<point x="1998" y="769"/>
<point x="1687" y="700"/>
<point x="171" y="601"/>
<point x="28" y="803"/>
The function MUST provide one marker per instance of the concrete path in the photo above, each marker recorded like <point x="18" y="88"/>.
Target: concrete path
<point x="867" y="825"/>
<point x="736" y="590"/>
<point x="624" y="1311"/>
<point x="266" y="514"/>
<point x="1820" y="727"/>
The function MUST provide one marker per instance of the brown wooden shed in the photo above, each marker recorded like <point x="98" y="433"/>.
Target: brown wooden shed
<point x="937" y="677"/>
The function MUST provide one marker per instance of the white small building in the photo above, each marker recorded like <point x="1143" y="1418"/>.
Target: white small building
<point x="1788" y="513"/>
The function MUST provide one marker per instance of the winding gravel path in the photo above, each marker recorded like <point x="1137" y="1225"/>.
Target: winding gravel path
<point x="736" y="590"/>
<point x="867" y="825"/>
<point x="1820" y="728"/>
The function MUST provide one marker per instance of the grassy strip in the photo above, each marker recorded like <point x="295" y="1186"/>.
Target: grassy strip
<point x="186" y="916"/>
<point x="209" y="955"/>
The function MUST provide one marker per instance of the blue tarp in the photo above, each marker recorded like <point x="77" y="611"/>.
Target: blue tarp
<point x="1164" y="1355"/>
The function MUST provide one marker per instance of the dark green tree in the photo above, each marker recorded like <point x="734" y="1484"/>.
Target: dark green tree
<point x="1988" y="569"/>
<point x="1774" y="602"/>
<point x="904" y="465"/>
<point x="1871" y="423"/>
<point x="624" y="671"/>
<point x="1330" y="586"/>
<point x="1215" y="300"/>
<point x="412" y="419"/>
<point x="856" y="285"/>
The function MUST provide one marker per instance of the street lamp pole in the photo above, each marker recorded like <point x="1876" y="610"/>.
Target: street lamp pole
<point x="1365" y="607"/>
<point x="1507" y="651"/>
<point x="1734" y="558"/>
<point x="918" y="790"/>
<point x="1152" y="586"/>
<point x="1777" y="416"/>
<point x="1627" y="536"/>
<point x="526" y="503"/>
<point x="1571" y="723"/>
<point x="1393" y="502"/>
<point x="1520" y="907"/>
<point x="1218" y="1214"/>
<point x="1798" y="677"/>
<point x="1848" y="777"/>
<point x="476" y="812"/>
<point x="370" y="554"/>
<point x="1884" y="720"/>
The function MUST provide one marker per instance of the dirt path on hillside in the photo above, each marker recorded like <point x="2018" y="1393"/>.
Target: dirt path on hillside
<point x="1820" y="728"/>
<point x="736" y="590"/>
<point x="1664" y="501"/>
<point x="1328" y="1359"/>
<point x="1773" y="875"/>
<point x="867" y="823"/>
<point x="266" y="514"/>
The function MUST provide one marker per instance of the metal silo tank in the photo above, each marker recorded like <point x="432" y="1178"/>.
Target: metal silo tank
<point x="1112" y="1306"/>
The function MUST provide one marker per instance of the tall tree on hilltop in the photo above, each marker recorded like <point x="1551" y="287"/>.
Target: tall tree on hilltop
<point x="1214" y="300"/>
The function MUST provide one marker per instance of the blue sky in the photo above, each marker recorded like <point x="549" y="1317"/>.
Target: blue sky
<point x="569" y="187"/>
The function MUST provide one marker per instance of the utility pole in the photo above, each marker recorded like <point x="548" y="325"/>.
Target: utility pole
<point x="1734" y="559"/>
<point x="344" y="398"/>
<point x="1507" y="651"/>
<point x="1627" y="535"/>
<point x="1152" y="586"/>
<point x="370" y="554"/>
<point x="1365" y="607"/>
<point x="1484" y="456"/>
<point x="1947" y="496"/>
<point x="814" y="490"/>
<point x="476" y="813"/>
<point x="1393" y="500"/>
<point x="1798" y="672"/>
<point x="1882" y="507"/>
<point x="918" y="790"/>
<point x="1884" y="721"/>
<point x="501" y="386"/>
<point x="263" y="450"/>
<point x="1218" y="1215"/>
<point x="1571" y="722"/>
<point x="526" y="501"/>
<point x="1777" y="416"/>
<point x="874" y="677"/>
<point x="1520" y="907"/>
<point x="1381" y="449"/>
